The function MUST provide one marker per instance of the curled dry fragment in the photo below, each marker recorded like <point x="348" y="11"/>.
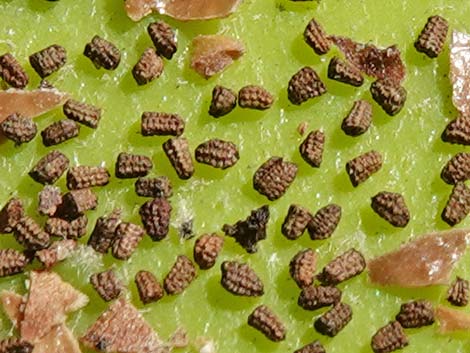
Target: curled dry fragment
<point x="451" y="320"/>
<point x="428" y="260"/>
<point x="211" y="54"/>
<point x="460" y="71"/>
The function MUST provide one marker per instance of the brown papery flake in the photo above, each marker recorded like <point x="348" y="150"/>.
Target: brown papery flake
<point x="451" y="320"/>
<point x="428" y="260"/>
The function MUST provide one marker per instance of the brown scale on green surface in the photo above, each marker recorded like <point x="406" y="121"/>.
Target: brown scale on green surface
<point x="59" y="132"/>
<point x="316" y="37"/>
<point x="457" y="131"/>
<point x="334" y="320"/>
<point x="105" y="231"/>
<point x="83" y="176"/>
<point x="102" y="53"/>
<point x="296" y="221"/>
<point x="311" y="149"/>
<point x="255" y="97"/>
<point x="132" y="165"/>
<point x="50" y="168"/>
<point x="389" y="95"/>
<point x="457" y="168"/>
<point x="458" y="205"/>
<point x="416" y="314"/>
<point x="150" y="290"/>
<point x="432" y="38"/>
<point x="82" y="113"/>
<point x="224" y="100"/>
<point x="180" y="276"/>
<point x="12" y="262"/>
<point x="159" y="187"/>
<point x="148" y="68"/>
<point x="391" y="206"/>
<point x="458" y="293"/>
<point x="206" y="250"/>
<point x="161" y="124"/>
<point x="48" y="60"/>
<point x="316" y="297"/>
<point x="342" y="71"/>
<point x="128" y="237"/>
<point x="30" y="235"/>
<point x="107" y="285"/>
<point x="179" y="155"/>
<point x="268" y="323"/>
<point x="305" y="84"/>
<point x="323" y="224"/>
<point x="217" y="153"/>
<point x="389" y="338"/>
<point x="240" y="279"/>
<point x="19" y="129"/>
<point x="314" y="347"/>
<point x="12" y="72"/>
<point x="362" y="167"/>
<point x="73" y="229"/>
<point x="273" y="177"/>
<point x="302" y="267"/>
<point x="347" y="265"/>
<point x="10" y="215"/>
<point x="164" y="38"/>
<point x="49" y="198"/>
<point x="359" y="119"/>
<point x="155" y="215"/>
<point x="15" y="345"/>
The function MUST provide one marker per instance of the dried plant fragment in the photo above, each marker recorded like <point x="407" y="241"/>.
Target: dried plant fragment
<point x="164" y="38"/>
<point x="316" y="37"/>
<point x="296" y="222"/>
<point x="59" y="340"/>
<point x="10" y="214"/>
<point x="416" y="314"/>
<point x="268" y="323"/>
<point x="459" y="75"/>
<point x="12" y="72"/>
<point x="58" y="251"/>
<point x="104" y="232"/>
<point x="316" y="297"/>
<point x="432" y="38"/>
<point x="347" y="265"/>
<point x="148" y="68"/>
<point x="179" y="339"/>
<point x="48" y="60"/>
<point x="362" y="167"/>
<point x="50" y="168"/>
<point x="15" y="345"/>
<point x="334" y="320"/>
<point x="240" y="279"/>
<point x="155" y="215"/>
<point x="206" y="250"/>
<point x="391" y="97"/>
<point x="424" y="261"/>
<point x="19" y="129"/>
<point x="224" y="100"/>
<point x="305" y="84"/>
<point x="311" y="149"/>
<point x="159" y="187"/>
<point x="150" y="290"/>
<point x="180" y="276"/>
<point x="273" y="177"/>
<point x="107" y="285"/>
<point x="83" y="176"/>
<point x="359" y="119"/>
<point x="161" y="124"/>
<point x="451" y="320"/>
<point x="389" y="338"/>
<point x="128" y="237"/>
<point x="217" y="153"/>
<point x="29" y="234"/>
<point x="302" y="267"/>
<point x="212" y="54"/>
<point x="11" y="262"/>
<point x="49" y="198"/>
<point x="324" y="222"/>
<point x="177" y="151"/>
<point x="132" y="165"/>
<point x="457" y="168"/>
<point x="459" y="292"/>
<point x="82" y="113"/>
<point x="391" y="206"/>
<point x="342" y="71"/>
<point x="12" y="304"/>
<point x="458" y="131"/>
<point x="59" y="132"/>
<point x="458" y="205"/>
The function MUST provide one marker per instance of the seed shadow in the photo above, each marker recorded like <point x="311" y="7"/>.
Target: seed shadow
<point x="256" y="338"/>
<point x="209" y="173"/>
<point x="285" y="103"/>
<point x="432" y="293"/>
<point x="415" y="58"/>
<point x="445" y="147"/>
<point x="373" y="224"/>
<point x="217" y="297"/>
<point x="40" y="6"/>
<point x="339" y="139"/>
<point x="301" y="6"/>
<point x="86" y="67"/>
<point x="303" y="53"/>
<point x="252" y="194"/>
<point x="342" y="183"/>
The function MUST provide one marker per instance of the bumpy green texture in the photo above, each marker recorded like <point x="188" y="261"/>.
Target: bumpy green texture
<point x="272" y="33"/>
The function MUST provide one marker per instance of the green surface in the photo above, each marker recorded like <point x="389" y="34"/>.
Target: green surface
<point x="272" y="33"/>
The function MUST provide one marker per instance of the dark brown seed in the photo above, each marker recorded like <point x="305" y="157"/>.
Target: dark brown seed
<point x="180" y="276"/>
<point x="12" y="262"/>
<point x="223" y="101"/>
<point x="296" y="222"/>
<point x="10" y="214"/>
<point x="150" y="290"/>
<point x="161" y="124"/>
<point x="50" y="168"/>
<point x="391" y="97"/>
<point x="240" y="279"/>
<point x="177" y="151"/>
<point x="217" y="153"/>
<point x="416" y="314"/>
<point x="316" y="37"/>
<point x="19" y="129"/>
<point x="104" y="232"/>
<point x="325" y="221"/>
<point x="255" y="97"/>
<point x="302" y="267"/>
<point x="74" y="229"/>
<point x="82" y="177"/>
<point x="342" y="71"/>
<point x="458" y="131"/>
<point x="391" y="206"/>
<point x="76" y="202"/>
<point x="50" y="198"/>
<point x="273" y="177"/>
<point x="82" y="113"/>
<point x="58" y="251"/>
<point x="316" y="297"/>
<point x="164" y="38"/>
<point x="15" y="345"/>
<point x="154" y="187"/>
<point x="334" y="320"/>
<point x="312" y="147"/>
<point x="102" y="53"/>
<point x="458" y="205"/>
<point x="457" y="168"/>
<point x="206" y="250"/>
<point x="268" y="323"/>
<point x="389" y="338"/>
<point x="347" y="265"/>
<point x="107" y="285"/>
<point x="459" y="292"/>
<point x="314" y="347"/>
<point x="305" y="85"/>
<point x="359" y="119"/>
<point x="30" y="235"/>
<point x="48" y="60"/>
<point x="59" y="132"/>
<point x="362" y="167"/>
<point x="132" y="165"/>
<point x="250" y="231"/>
<point x="12" y="72"/>
<point x="128" y="237"/>
<point x="433" y="36"/>
<point x="148" y="68"/>
<point x="155" y="215"/>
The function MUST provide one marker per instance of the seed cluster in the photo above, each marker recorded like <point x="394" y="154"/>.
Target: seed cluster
<point x="62" y="228"/>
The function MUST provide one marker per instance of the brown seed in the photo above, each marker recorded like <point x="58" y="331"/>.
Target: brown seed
<point x="312" y="147"/>
<point x="50" y="168"/>
<point x="30" y="235"/>
<point x="324" y="222"/>
<point x="223" y="101"/>
<point x="343" y="71"/>
<point x="48" y="60"/>
<point x="389" y="338"/>
<point x="104" y="232"/>
<point x="251" y="230"/>
<point x="132" y="165"/>
<point x="128" y="237"/>
<point x="180" y="276"/>
<point x="316" y="297"/>
<point x="457" y="168"/>
<point x="206" y="250"/>
<point x="305" y="85"/>
<point x="416" y="314"/>
<point x="296" y="222"/>
<point x="82" y="113"/>
<point x="433" y="36"/>
<point x="316" y="37"/>
<point x="240" y="279"/>
<point x="362" y="167"/>
<point x="50" y="198"/>
<point x="59" y="132"/>
<point x="255" y="97"/>
<point x="163" y="37"/>
<point x="391" y="206"/>
<point x="177" y="151"/>
<point x="334" y="320"/>
<point x="302" y="267"/>
<point x="12" y="72"/>
<point x="458" y="205"/>
<point x="458" y="131"/>
<point x="347" y="265"/>
<point x="459" y="292"/>
<point x="391" y="97"/>
<point x="154" y="187"/>
<point x="107" y="285"/>
<point x="359" y="119"/>
<point x="15" y="345"/>
<point x="18" y="128"/>
<point x="155" y="215"/>
<point x="148" y="68"/>
<point x="268" y="323"/>
<point x="11" y="262"/>
<point x="10" y="214"/>
<point x="58" y="251"/>
<point x="83" y="176"/>
<point x="102" y="53"/>
<point x="161" y="124"/>
<point x="314" y="347"/>
<point x="74" y="229"/>
<point x="217" y="153"/>
<point x="273" y="177"/>
<point x="150" y="290"/>
<point x="76" y="202"/>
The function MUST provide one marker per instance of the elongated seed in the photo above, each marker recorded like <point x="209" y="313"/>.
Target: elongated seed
<point x="82" y="113"/>
<point x="48" y="60"/>
<point x="82" y="177"/>
<point x="148" y="68"/>
<point x="177" y="151"/>
<point x="217" y="153"/>
<point x="18" y="128"/>
<point x="432" y="38"/>
<point x="59" y="132"/>
<point x="161" y="124"/>
<point x="102" y="53"/>
<point x="305" y="84"/>
<point x="50" y="168"/>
